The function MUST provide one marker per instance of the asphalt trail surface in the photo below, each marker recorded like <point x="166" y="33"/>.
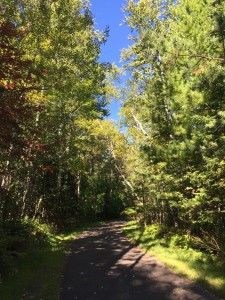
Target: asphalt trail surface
<point x="104" y="265"/>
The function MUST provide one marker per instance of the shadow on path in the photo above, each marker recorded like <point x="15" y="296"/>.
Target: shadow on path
<point x="104" y="265"/>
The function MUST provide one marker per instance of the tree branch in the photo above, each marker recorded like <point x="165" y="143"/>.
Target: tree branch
<point x="197" y="56"/>
<point x="115" y="160"/>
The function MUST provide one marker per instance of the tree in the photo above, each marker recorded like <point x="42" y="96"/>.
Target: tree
<point x="16" y="112"/>
<point x="173" y="108"/>
<point x="57" y="50"/>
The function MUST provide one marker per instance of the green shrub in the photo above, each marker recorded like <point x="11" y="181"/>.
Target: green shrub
<point x="180" y="240"/>
<point x="154" y="231"/>
<point x="15" y="240"/>
<point x="130" y="213"/>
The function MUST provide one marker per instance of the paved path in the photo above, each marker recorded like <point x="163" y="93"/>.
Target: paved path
<point x="104" y="265"/>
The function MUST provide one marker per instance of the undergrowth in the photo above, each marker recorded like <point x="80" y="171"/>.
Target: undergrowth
<point x="31" y="258"/>
<point x="178" y="251"/>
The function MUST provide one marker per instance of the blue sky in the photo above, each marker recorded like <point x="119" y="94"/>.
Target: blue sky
<point x="109" y="13"/>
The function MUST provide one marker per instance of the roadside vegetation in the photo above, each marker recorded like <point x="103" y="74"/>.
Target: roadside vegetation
<point x="33" y="267"/>
<point x="182" y="253"/>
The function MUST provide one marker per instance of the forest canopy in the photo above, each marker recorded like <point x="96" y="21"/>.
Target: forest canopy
<point x="173" y="108"/>
<point x="62" y="161"/>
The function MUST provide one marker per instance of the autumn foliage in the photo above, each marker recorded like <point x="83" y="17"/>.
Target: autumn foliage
<point x="16" y="112"/>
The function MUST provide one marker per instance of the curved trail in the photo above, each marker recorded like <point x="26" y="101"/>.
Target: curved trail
<point x="104" y="265"/>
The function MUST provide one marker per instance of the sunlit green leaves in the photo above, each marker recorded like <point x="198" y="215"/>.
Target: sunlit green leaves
<point x="174" y="109"/>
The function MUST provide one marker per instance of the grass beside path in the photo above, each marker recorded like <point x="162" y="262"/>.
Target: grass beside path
<point x="38" y="272"/>
<point x="200" y="267"/>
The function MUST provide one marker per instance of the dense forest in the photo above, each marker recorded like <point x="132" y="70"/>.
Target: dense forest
<point x="62" y="162"/>
<point x="174" y="107"/>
